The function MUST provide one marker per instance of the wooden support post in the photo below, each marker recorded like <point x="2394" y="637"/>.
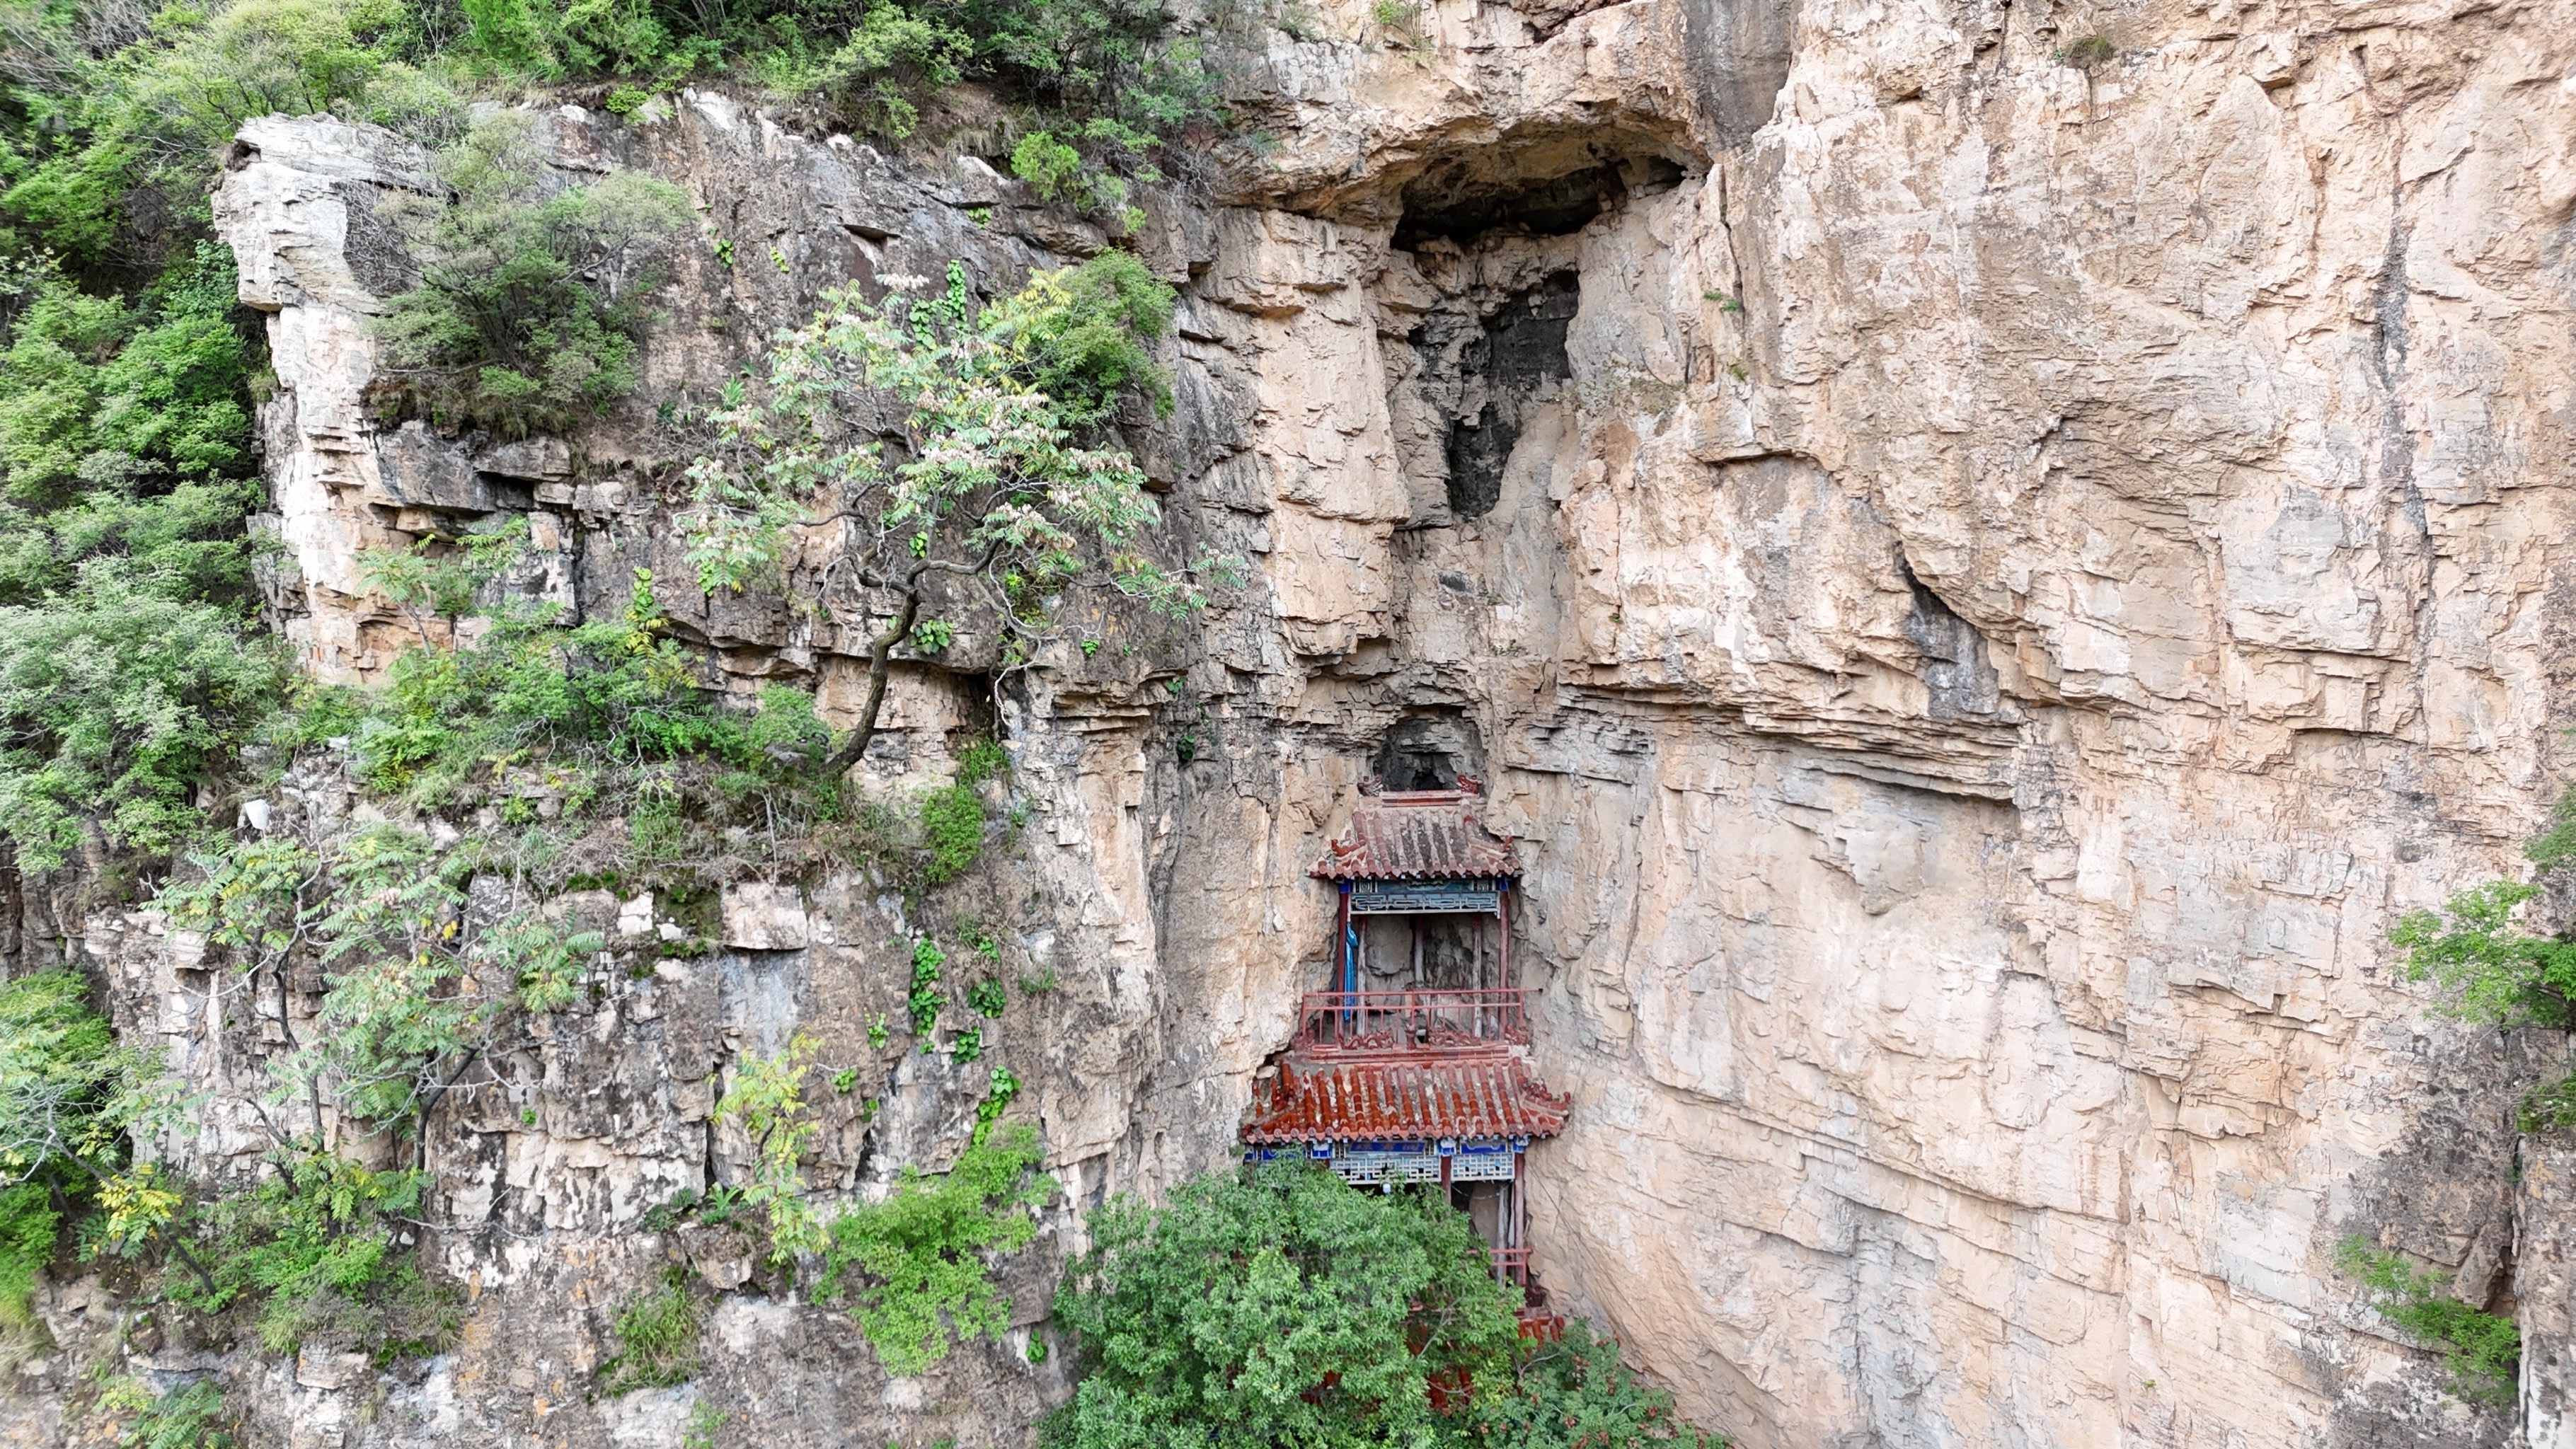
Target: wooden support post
<point x="1345" y="946"/>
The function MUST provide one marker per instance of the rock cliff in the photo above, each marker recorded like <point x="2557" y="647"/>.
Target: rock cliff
<point x="1983" y="584"/>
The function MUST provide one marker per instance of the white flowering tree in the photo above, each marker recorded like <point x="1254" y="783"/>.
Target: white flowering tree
<point x="992" y="504"/>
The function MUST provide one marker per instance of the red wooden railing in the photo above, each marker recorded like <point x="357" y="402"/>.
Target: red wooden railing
<point x="1414" y="1021"/>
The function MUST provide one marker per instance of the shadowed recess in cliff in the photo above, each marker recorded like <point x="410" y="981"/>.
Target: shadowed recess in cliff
<point x="1533" y="183"/>
<point x="1955" y="669"/>
<point x="1430" y="751"/>
<point x="1519" y="355"/>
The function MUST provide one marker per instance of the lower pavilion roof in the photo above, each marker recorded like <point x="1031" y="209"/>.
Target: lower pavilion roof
<point x="1486" y="1095"/>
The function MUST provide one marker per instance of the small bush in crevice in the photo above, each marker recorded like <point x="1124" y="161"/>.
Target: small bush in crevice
<point x="2090" y="53"/>
<point x="188" y="1416"/>
<point x="657" y="1339"/>
<point x="2495" y="972"/>
<point x="2482" y="1350"/>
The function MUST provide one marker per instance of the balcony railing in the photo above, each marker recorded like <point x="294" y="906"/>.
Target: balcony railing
<point x="1430" y="1021"/>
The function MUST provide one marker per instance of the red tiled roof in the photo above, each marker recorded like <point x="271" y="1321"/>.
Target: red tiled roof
<point x="1424" y="834"/>
<point x="1484" y="1096"/>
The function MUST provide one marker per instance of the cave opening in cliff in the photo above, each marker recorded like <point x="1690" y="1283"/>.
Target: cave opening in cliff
<point x="1466" y="198"/>
<point x="1429" y="752"/>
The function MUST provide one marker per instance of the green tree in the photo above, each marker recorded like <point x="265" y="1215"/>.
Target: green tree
<point x="1279" y="1310"/>
<point x="996" y="509"/>
<point x="531" y="299"/>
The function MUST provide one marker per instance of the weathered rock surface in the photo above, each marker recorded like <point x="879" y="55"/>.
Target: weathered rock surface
<point x="1984" y="585"/>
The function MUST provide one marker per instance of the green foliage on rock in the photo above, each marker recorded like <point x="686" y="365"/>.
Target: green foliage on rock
<point x="657" y="1338"/>
<point x="1576" y="1394"/>
<point x="319" y="1252"/>
<point x="1279" y="1307"/>
<point x="2482" y="1350"/>
<point x="126" y="665"/>
<point x="530" y="300"/>
<point x="120" y="111"/>
<point x="411" y="1000"/>
<point x="614" y="693"/>
<point x="998" y="510"/>
<point x="1083" y="335"/>
<point x="952" y="815"/>
<point x="1252" y="1311"/>
<point x="191" y="1415"/>
<point x="2496" y="972"/>
<point x="67" y="1094"/>
<point x="922" y="1255"/>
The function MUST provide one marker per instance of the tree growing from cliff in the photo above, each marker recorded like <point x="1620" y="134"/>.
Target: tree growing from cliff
<point x="990" y="511"/>
<point x="2494" y="970"/>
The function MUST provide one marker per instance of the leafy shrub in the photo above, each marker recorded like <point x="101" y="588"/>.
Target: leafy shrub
<point x="2495" y="972"/>
<point x="317" y="1249"/>
<point x="952" y="822"/>
<point x="529" y="304"/>
<point x="67" y="1092"/>
<point x="767" y="1101"/>
<point x="1576" y="1394"/>
<point x="122" y="121"/>
<point x="1082" y="333"/>
<point x="188" y="1416"/>
<point x="923" y="1251"/>
<point x="988" y="998"/>
<point x="1279" y="1307"/>
<point x="410" y="998"/>
<point x="2482" y="1350"/>
<point x="126" y="666"/>
<point x="606" y="695"/>
<point x="657" y="1339"/>
<point x="115" y="697"/>
<point x="2091" y="53"/>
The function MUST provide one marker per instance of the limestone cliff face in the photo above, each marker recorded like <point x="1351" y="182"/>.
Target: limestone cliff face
<point x="1984" y="586"/>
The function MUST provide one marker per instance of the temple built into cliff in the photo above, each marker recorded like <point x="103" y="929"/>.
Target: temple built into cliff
<point x="1412" y="1065"/>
